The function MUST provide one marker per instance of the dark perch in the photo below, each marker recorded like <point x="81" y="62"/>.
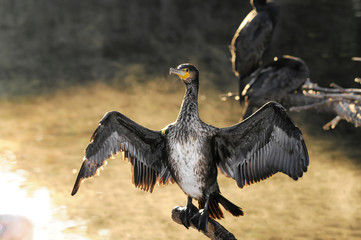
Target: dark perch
<point x="215" y="231"/>
<point x="344" y="103"/>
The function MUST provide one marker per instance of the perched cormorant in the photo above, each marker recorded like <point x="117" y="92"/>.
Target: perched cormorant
<point x="274" y="82"/>
<point x="189" y="151"/>
<point x="252" y="38"/>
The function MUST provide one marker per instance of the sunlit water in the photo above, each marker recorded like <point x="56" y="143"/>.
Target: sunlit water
<point x="49" y="221"/>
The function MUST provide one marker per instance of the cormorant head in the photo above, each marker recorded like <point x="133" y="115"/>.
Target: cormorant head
<point x="268" y="6"/>
<point x="294" y="63"/>
<point x="187" y="72"/>
<point x="258" y="4"/>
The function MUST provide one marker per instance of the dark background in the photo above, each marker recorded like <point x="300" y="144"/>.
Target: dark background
<point x="49" y="44"/>
<point x="64" y="63"/>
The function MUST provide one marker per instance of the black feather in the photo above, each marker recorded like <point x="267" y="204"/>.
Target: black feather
<point x="142" y="147"/>
<point x="270" y="141"/>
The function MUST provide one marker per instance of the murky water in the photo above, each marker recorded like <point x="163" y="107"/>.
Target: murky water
<point x="34" y="203"/>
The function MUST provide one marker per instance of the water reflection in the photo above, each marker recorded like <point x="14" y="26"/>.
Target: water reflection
<point x="49" y="221"/>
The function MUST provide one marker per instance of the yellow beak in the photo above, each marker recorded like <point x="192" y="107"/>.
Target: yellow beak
<point x="182" y="74"/>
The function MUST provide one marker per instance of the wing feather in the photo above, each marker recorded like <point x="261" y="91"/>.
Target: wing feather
<point x="142" y="147"/>
<point x="264" y="144"/>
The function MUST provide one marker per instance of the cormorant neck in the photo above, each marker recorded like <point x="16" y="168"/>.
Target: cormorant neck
<point x="189" y="109"/>
<point x="274" y="13"/>
<point x="259" y="5"/>
<point x="270" y="7"/>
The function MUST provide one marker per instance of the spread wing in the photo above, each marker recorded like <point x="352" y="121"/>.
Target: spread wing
<point x="265" y="143"/>
<point x="142" y="147"/>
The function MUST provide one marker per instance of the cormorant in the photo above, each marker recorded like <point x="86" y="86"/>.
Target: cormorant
<point x="252" y="38"/>
<point x="275" y="82"/>
<point x="189" y="151"/>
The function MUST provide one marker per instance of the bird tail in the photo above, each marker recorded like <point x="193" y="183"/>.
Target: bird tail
<point x="215" y="210"/>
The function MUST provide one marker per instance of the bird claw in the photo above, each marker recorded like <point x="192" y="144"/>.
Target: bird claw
<point x="200" y="220"/>
<point x="183" y="216"/>
<point x="187" y="213"/>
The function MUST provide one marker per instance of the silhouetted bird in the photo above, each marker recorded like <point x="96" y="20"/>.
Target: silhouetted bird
<point x="252" y="38"/>
<point x="275" y="82"/>
<point x="189" y="151"/>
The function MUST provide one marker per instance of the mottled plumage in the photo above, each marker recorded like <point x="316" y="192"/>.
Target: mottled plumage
<point x="189" y="151"/>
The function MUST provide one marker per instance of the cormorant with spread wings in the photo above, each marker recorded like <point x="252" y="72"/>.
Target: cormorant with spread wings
<point x="189" y="152"/>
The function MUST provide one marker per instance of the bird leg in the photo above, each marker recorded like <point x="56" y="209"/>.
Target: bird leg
<point x="187" y="213"/>
<point x="200" y="219"/>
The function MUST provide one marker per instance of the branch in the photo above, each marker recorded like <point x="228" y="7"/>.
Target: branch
<point x="310" y="86"/>
<point x="229" y="96"/>
<point x="346" y="106"/>
<point x="332" y="124"/>
<point x="308" y="107"/>
<point x="334" y="96"/>
<point x="345" y="103"/>
<point x="215" y="230"/>
<point x="358" y="80"/>
<point x="334" y="85"/>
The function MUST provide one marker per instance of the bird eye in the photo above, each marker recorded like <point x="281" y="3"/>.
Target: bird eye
<point x="185" y="70"/>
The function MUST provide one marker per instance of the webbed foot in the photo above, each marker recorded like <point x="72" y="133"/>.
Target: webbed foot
<point x="187" y="213"/>
<point x="200" y="220"/>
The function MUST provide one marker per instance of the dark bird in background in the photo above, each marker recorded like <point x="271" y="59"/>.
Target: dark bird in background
<point x="189" y="152"/>
<point x="252" y="38"/>
<point x="275" y="82"/>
